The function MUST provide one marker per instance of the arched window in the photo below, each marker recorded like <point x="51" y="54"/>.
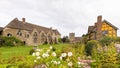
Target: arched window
<point x="35" y="34"/>
<point x="35" y="37"/>
<point x="55" y="40"/>
<point x="43" y="38"/>
<point x="50" y="39"/>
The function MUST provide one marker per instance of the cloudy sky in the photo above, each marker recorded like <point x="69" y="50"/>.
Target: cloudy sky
<point x="65" y="15"/>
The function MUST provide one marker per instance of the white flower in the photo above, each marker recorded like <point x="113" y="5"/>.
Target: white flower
<point x="44" y="55"/>
<point x="64" y="55"/>
<point x="70" y="64"/>
<point x="33" y="54"/>
<point x="38" y="57"/>
<point x="70" y="54"/>
<point x="48" y="50"/>
<point x="55" y="62"/>
<point x="37" y="53"/>
<point x="51" y="47"/>
<point x="60" y="57"/>
<point x="54" y="54"/>
<point x="79" y="63"/>
<point x="58" y="62"/>
<point x="38" y="50"/>
<point x="35" y="60"/>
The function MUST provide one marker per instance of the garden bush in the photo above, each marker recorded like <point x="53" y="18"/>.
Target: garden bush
<point x="90" y="46"/>
<point x="10" y="41"/>
<point x="105" y="57"/>
<point x="109" y="65"/>
<point x="117" y="40"/>
<point x="106" y="40"/>
<point x="32" y="51"/>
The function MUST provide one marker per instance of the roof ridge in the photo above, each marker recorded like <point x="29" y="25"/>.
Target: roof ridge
<point x="110" y="24"/>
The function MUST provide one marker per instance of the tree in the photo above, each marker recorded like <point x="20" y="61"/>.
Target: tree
<point x="65" y="39"/>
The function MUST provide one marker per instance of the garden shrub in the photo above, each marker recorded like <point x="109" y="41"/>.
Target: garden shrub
<point x="32" y="51"/>
<point x="105" y="58"/>
<point x="79" y="49"/>
<point x="109" y="65"/>
<point x="10" y="41"/>
<point x="117" y="40"/>
<point x="106" y="40"/>
<point x="90" y="46"/>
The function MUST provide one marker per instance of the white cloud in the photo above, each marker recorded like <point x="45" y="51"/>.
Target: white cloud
<point x="65" y="15"/>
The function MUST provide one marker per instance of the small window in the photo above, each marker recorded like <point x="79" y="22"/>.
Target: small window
<point x="19" y="33"/>
<point x="9" y="35"/>
<point x="105" y="32"/>
<point x="26" y="35"/>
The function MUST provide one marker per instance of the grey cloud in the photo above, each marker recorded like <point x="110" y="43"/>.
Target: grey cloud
<point x="64" y="15"/>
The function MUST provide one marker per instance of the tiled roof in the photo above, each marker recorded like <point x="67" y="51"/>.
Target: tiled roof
<point x="15" y="23"/>
<point x="110" y="24"/>
<point x="91" y="28"/>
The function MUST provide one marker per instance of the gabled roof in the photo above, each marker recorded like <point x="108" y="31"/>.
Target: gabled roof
<point x="16" y="24"/>
<point x="110" y="24"/>
<point x="91" y="28"/>
<point x="56" y="32"/>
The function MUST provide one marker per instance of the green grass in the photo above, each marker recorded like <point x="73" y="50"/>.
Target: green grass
<point x="7" y="52"/>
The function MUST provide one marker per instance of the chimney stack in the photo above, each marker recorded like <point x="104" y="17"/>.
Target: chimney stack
<point x="99" y="19"/>
<point x="95" y="24"/>
<point x="99" y="26"/>
<point x="23" y="20"/>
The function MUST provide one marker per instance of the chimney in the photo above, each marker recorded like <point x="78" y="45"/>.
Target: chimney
<point x="23" y="20"/>
<point x="95" y="24"/>
<point x="99" y="26"/>
<point x="99" y="19"/>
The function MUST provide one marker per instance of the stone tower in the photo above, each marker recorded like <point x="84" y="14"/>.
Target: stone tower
<point x="72" y="37"/>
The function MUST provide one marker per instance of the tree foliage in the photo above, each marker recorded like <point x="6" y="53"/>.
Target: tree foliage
<point x="65" y="39"/>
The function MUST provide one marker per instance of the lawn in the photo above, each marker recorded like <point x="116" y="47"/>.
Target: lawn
<point x="7" y="52"/>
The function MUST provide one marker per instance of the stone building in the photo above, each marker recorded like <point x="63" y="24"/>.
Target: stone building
<point x="31" y="34"/>
<point x="74" y="39"/>
<point x="102" y="28"/>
